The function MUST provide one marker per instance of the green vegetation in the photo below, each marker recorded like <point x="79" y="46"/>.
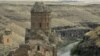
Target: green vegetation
<point x="4" y="50"/>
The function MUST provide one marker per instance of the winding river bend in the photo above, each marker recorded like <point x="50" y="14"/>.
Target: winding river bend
<point x="65" y="51"/>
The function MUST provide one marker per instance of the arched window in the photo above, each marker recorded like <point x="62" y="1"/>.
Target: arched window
<point x="47" y="24"/>
<point x="40" y="25"/>
<point x="38" y="48"/>
<point x="7" y="40"/>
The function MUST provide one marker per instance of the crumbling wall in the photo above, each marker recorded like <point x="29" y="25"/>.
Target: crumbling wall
<point x="73" y="33"/>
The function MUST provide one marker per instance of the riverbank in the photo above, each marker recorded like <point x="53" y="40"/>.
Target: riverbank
<point x="89" y="46"/>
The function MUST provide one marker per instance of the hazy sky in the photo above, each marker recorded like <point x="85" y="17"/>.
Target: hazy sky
<point x="55" y="0"/>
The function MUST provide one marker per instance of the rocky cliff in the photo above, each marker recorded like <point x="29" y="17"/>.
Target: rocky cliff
<point x="90" y="45"/>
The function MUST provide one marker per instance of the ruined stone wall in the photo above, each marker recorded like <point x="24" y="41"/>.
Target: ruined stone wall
<point x="73" y="33"/>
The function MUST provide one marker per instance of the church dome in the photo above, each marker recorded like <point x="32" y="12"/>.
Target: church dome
<point x="40" y="7"/>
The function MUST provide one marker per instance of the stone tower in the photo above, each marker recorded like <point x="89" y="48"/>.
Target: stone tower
<point x="40" y="20"/>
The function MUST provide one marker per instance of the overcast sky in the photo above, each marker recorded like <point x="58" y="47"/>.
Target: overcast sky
<point x="55" y="0"/>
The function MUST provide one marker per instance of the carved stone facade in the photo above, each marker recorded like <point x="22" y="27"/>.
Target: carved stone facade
<point x="39" y="40"/>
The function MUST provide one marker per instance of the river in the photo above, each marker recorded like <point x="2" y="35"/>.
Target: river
<point x="65" y="51"/>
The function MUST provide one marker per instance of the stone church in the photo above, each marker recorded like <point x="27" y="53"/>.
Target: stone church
<point x="39" y="39"/>
<point x="6" y="37"/>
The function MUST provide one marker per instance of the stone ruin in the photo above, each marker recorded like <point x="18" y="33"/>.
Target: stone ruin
<point x="39" y="40"/>
<point x="6" y="37"/>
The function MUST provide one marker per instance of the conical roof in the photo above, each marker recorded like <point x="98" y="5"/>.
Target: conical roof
<point x="40" y="7"/>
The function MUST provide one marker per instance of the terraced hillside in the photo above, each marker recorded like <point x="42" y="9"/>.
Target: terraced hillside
<point x="18" y="16"/>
